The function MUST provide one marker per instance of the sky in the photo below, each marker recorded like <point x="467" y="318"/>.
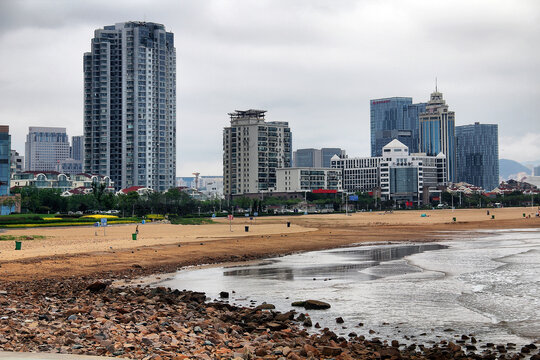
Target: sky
<point x="313" y="63"/>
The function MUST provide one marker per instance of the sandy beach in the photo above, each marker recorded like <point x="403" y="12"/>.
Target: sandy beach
<point x="71" y="251"/>
<point x="56" y="297"/>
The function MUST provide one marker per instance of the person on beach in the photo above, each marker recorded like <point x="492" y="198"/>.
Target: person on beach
<point x="137" y="230"/>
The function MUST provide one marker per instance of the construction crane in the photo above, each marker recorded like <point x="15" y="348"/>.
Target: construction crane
<point x="196" y="180"/>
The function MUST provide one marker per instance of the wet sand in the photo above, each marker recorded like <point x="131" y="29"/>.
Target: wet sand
<point x="76" y="251"/>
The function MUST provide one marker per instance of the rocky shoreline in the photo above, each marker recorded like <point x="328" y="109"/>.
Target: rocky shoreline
<point x="87" y="316"/>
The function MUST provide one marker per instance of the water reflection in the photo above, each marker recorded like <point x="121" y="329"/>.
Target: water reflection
<point x="334" y="264"/>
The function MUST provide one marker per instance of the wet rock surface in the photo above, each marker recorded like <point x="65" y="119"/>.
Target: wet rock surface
<point x="88" y="316"/>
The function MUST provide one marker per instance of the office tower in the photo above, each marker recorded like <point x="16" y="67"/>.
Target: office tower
<point x="477" y="155"/>
<point x="315" y="157"/>
<point x="437" y="132"/>
<point x="77" y="148"/>
<point x="45" y="147"/>
<point x="16" y="162"/>
<point x="252" y="151"/>
<point x="536" y="171"/>
<point x="130" y="105"/>
<point x="5" y="155"/>
<point x="394" y="118"/>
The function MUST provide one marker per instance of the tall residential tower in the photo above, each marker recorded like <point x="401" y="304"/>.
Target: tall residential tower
<point x="130" y="105"/>
<point x="437" y="132"/>
<point x="252" y="151"/>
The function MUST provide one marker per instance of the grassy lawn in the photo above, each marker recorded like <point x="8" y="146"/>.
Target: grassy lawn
<point x="22" y="237"/>
<point x="190" y="221"/>
<point x="46" y="220"/>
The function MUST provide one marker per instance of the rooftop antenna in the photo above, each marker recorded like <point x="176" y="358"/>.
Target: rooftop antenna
<point x="436" y="84"/>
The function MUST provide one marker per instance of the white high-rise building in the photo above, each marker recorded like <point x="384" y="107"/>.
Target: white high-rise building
<point x="130" y="105"/>
<point x="252" y="151"/>
<point x="45" y="148"/>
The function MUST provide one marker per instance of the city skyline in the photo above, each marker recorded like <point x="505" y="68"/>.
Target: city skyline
<point x="315" y="65"/>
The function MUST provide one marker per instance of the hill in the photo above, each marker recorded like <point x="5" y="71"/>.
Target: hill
<point x="511" y="167"/>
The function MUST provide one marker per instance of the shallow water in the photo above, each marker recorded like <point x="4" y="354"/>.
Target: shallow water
<point x="487" y="286"/>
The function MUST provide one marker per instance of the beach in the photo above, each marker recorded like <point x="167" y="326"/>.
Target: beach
<point x="87" y="250"/>
<point x="58" y="293"/>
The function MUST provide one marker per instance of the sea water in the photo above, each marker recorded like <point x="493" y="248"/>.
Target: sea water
<point x="487" y="286"/>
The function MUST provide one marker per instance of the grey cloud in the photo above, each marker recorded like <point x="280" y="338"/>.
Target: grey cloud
<point x="315" y="64"/>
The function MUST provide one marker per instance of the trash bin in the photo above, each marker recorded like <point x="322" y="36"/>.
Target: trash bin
<point x="18" y="245"/>
<point x="247" y="228"/>
<point x="288" y="224"/>
<point x="523" y="214"/>
<point x="492" y="216"/>
<point x="134" y="236"/>
<point x="454" y="219"/>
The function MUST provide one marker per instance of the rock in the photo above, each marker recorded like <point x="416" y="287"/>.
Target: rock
<point x="197" y="330"/>
<point x="286" y="350"/>
<point x="265" y="307"/>
<point x="307" y="322"/>
<point x="317" y="326"/>
<point x="274" y="326"/>
<point x="395" y="343"/>
<point x="316" y="305"/>
<point x="285" y="316"/>
<point x="97" y="286"/>
<point x="224" y="295"/>
<point x="339" y="320"/>
<point x="261" y="352"/>
<point x="331" y="351"/>
<point x="72" y="317"/>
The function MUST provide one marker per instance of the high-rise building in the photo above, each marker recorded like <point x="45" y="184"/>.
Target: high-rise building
<point x="252" y="151"/>
<point x="315" y="157"/>
<point x="5" y="155"/>
<point x="130" y="105"/>
<point x="45" y="148"/>
<point x="394" y="118"/>
<point x="77" y="148"/>
<point x="477" y="155"/>
<point x="536" y="171"/>
<point x="437" y="132"/>
<point x="16" y="162"/>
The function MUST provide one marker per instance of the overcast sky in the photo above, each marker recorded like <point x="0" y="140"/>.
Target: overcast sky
<point x="315" y="64"/>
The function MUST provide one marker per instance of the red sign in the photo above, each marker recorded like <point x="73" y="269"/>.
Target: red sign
<point x="230" y="217"/>
<point x="323" y="191"/>
<point x="380" y="102"/>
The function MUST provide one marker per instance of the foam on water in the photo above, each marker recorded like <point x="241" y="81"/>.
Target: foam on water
<point x="488" y="286"/>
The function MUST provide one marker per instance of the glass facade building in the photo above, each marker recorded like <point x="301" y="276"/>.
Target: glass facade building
<point x="315" y="157"/>
<point x="394" y="118"/>
<point x="130" y="105"/>
<point x="5" y="156"/>
<point x="478" y="155"/>
<point x="77" y="148"/>
<point x="437" y="132"/>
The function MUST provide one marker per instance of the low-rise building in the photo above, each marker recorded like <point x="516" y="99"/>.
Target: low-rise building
<point x="57" y="180"/>
<point x="397" y="174"/>
<point x="307" y="179"/>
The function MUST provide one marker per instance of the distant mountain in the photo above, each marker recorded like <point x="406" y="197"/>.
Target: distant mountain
<point x="507" y="168"/>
